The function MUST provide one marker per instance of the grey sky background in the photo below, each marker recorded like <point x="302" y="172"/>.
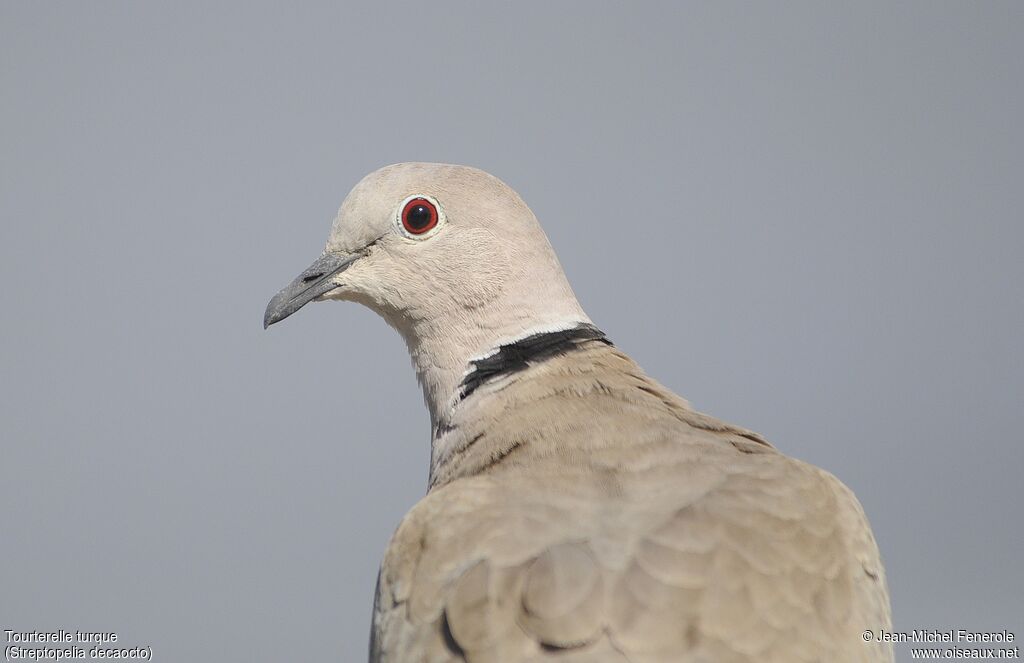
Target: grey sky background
<point x="807" y="220"/>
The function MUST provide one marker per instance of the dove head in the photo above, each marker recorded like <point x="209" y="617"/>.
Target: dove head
<point x="449" y="256"/>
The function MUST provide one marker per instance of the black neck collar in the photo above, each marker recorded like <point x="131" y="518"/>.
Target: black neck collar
<point x="532" y="349"/>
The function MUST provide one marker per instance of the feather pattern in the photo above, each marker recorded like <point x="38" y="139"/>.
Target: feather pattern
<point x="588" y="514"/>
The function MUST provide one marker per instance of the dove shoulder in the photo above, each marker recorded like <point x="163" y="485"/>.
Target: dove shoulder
<point x="582" y="512"/>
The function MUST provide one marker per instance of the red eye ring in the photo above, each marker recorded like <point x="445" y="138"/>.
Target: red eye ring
<point x="419" y="216"/>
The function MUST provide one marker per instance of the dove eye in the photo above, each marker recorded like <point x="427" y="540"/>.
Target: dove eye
<point x="419" y="215"/>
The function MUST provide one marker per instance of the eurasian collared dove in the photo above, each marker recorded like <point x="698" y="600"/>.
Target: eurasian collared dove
<point x="577" y="510"/>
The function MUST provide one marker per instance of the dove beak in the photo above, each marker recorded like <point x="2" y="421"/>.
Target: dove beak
<point x="315" y="281"/>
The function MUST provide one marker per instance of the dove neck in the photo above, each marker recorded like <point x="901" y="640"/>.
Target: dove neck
<point x="512" y="358"/>
<point x="451" y="360"/>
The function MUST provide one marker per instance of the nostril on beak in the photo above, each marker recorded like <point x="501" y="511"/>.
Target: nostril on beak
<point x="312" y="277"/>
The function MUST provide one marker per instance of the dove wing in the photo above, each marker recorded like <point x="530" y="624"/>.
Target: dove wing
<point x="591" y="515"/>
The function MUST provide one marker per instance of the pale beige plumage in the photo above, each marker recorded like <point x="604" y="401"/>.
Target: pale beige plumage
<point x="578" y="511"/>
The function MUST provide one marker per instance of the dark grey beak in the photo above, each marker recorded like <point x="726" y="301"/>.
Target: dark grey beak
<point x="309" y="285"/>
